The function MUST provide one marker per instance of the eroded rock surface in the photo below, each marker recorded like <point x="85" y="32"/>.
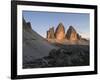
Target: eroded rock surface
<point x="60" y="32"/>
<point x="50" y="33"/>
<point x="72" y="34"/>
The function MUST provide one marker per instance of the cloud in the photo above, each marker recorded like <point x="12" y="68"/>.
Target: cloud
<point x="85" y="35"/>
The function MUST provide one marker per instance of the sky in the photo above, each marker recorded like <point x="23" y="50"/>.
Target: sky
<point x="42" y="21"/>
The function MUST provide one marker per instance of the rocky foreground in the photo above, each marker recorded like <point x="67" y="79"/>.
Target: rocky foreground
<point x="65" y="56"/>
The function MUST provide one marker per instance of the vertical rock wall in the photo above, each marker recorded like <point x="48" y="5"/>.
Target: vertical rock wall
<point x="59" y="33"/>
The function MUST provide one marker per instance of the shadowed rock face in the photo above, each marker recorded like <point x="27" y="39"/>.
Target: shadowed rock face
<point x="34" y="46"/>
<point x="50" y="33"/>
<point x="72" y="34"/>
<point x="65" y="56"/>
<point x="26" y="25"/>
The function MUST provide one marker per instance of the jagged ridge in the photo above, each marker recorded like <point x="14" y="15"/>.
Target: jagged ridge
<point x="60" y="34"/>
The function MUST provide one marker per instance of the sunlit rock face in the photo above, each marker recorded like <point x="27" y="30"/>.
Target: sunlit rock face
<point x="72" y="35"/>
<point x="60" y="32"/>
<point x="59" y="35"/>
<point x="50" y="33"/>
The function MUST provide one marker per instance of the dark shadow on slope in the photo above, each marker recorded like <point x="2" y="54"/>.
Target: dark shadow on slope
<point x="72" y="55"/>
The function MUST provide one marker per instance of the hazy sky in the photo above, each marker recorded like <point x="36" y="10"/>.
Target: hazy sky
<point x="42" y="21"/>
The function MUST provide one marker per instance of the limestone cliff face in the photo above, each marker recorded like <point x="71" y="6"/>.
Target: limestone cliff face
<point x="50" y="33"/>
<point x="60" y="32"/>
<point x="72" y="35"/>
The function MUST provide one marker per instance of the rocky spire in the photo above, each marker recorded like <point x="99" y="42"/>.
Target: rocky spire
<point x="72" y="34"/>
<point x="26" y="25"/>
<point x="60" y="32"/>
<point x="50" y="33"/>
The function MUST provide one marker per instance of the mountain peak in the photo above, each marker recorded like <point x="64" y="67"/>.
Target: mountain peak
<point x="72" y="34"/>
<point x="50" y="33"/>
<point x="71" y="28"/>
<point x="60" y="25"/>
<point x="27" y="25"/>
<point x="60" y="31"/>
